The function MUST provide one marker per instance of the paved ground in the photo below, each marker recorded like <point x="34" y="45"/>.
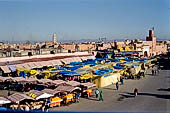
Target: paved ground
<point x="154" y="96"/>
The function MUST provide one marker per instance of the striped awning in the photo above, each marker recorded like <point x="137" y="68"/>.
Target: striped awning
<point x="32" y="65"/>
<point x="19" y="66"/>
<point x="57" y="62"/>
<point x="38" y="64"/>
<point x="26" y="66"/>
<point x="5" y="69"/>
<point x="83" y="58"/>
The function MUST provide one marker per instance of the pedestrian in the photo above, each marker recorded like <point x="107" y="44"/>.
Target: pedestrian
<point x="77" y="96"/>
<point x="158" y="70"/>
<point x="97" y="93"/>
<point x="117" y="85"/>
<point x="155" y="71"/>
<point x="135" y="92"/>
<point x="152" y="72"/>
<point x="121" y="80"/>
<point x="43" y="108"/>
<point x="101" y="96"/>
<point x="9" y="93"/>
<point x="46" y="108"/>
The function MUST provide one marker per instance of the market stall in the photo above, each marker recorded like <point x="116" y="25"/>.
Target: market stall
<point x="19" y="100"/>
<point x="69" y="96"/>
<point x="43" y="83"/>
<point x="56" y="99"/>
<point x="87" y="88"/>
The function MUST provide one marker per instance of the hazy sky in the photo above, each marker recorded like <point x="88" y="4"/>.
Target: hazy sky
<point x="83" y="19"/>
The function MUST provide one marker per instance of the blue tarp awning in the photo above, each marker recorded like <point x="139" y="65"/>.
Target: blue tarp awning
<point x="118" y="67"/>
<point x="67" y="72"/>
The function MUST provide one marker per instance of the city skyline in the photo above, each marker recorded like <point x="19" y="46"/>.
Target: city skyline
<point x="83" y="19"/>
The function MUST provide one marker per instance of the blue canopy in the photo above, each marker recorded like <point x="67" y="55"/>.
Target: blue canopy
<point x="103" y="71"/>
<point x="118" y="67"/>
<point x="76" y="63"/>
<point x="74" y="68"/>
<point x="67" y="72"/>
<point x="118" y="64"/>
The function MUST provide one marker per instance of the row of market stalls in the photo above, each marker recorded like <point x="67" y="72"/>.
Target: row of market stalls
<point x="89" y="70"/>
<point x="34" y="99"/>
<point x="31" y="65"/>
<point x="59" y="83"/>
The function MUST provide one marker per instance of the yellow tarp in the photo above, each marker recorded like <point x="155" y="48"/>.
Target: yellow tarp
<point x="86" y="76"/>
<point x="56" y="99"/>
<point x="34" y="72"/>
<point x="69" y="96"/>
<point x="105" y="80"/>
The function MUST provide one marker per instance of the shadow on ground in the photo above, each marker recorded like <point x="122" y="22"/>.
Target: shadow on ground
<point x="152" y="74"/>
<point x="151" y="94"/>
<point x="92" y="98"/>
<point x="123" y="96"/>
<point x="163" y="89"/>
<point x="110" y="88"/>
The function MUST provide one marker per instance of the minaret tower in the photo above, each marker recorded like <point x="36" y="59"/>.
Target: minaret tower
<point x="54" y="38"/>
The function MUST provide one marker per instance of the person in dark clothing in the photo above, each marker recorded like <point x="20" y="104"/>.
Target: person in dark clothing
<point x="152" y="72"/>
<point x="121" y="80"/>
<point x="97" y="93"/>
<point x="155" y="71"/>
<point x="101" y="96"/>
<point x="78" y="97"/>
<point x="135" y="92"/>
<point x="46" y="108"/>
<point x="9" y="93"/>
<point x="117" y="85"/>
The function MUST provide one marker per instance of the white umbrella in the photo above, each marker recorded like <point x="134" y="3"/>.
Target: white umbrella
<point x="43" y="96"/>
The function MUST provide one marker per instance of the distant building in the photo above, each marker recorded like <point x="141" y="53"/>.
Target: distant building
<point x="147" y="48"/>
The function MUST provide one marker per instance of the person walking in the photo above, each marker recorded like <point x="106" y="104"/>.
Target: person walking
<point x="97" y="93"/>
<point x="101" y="96"/>
<point x="135" y="92"/>
<point x="152" y="72"/>
<point x="155" y="71"/>
<point x="9" y="93"/>
<point x="46" y="108"/>
<point x="117" y="85"/>
<point x="121" y="80"/>
<point x="78" y="97"/>
<point x="158" y="70"/>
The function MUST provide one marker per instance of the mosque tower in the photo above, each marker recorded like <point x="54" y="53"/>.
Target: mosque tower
<point x="54" y="38"/>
